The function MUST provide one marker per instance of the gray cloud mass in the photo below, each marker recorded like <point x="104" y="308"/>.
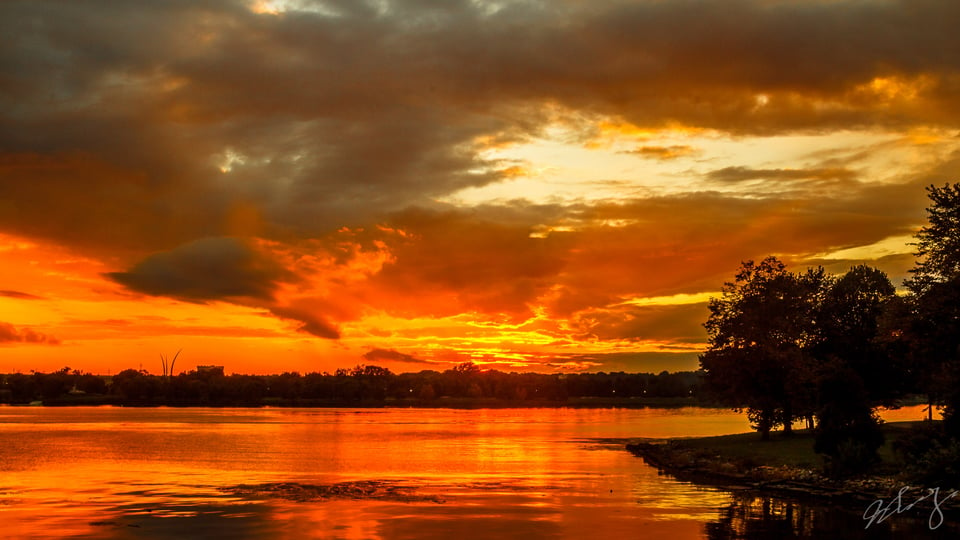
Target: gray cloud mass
<point x="135" y="108"/>
<point x="204" y="270"/>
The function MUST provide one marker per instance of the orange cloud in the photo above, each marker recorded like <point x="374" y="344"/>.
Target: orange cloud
<point x="741" y="174"/>
<point x="665" y="152"/>
<point x="10" y="334"/>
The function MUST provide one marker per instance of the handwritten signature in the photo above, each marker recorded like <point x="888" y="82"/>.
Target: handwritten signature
<point x="878" y="511"/>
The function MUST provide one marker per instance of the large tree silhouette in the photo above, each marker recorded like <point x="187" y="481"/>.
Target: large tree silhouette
<point x="760" y="331"/>
<point x="848" y="320"/>
<point x="936" y="288"/>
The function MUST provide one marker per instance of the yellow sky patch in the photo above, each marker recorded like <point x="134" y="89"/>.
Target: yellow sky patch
<point x="673" y="300"/>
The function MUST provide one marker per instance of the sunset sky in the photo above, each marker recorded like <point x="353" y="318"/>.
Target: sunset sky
<point x="529" y="185"/>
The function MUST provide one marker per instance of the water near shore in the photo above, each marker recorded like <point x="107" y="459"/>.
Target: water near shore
<point x="379" y="473"/>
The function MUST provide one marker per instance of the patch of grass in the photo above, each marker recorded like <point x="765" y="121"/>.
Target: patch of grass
<point x="794" y="451"/>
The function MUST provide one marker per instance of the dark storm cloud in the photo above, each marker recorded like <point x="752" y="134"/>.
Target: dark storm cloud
<point x="10" y="334"/>
<point x="232" y="270"/>
<point x="310" y="322"/>
<point x="205" y="270"/>
<point x="303" y="113"/>
<point x="135" y="108"/>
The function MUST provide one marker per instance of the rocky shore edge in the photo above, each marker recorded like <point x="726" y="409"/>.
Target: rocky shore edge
<point x="706" y="467"/>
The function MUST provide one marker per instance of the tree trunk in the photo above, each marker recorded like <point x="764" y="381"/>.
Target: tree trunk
<point x="765" y="423"/>
<point x="787" y="420"/>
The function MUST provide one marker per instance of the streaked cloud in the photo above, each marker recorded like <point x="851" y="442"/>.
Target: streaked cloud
<point x="664" y="152"/>
<point x="741" y="174"/>
<point x="390" y="355"/>
<point x="20" y="295"/>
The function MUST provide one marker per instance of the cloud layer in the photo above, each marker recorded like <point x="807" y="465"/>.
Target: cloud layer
<point x="302" y="121"/>
<point x="313" y="161"/>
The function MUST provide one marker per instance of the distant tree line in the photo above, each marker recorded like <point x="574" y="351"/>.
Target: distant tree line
<point x="362" y="385"/>
<point x="787" y="346"/>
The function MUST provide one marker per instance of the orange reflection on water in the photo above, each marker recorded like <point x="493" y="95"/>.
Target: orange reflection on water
<point x="348" y="473"/>
<point x="114" y="472"/>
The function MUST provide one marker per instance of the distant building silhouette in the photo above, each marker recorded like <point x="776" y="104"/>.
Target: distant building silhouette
<point x="210" y="369"/>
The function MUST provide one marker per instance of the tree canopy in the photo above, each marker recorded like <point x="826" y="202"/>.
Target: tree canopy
<point x="785" y="345"/>
<point x="848" y="324"/>
<point x="774" y="336"/>
<point x="938" y="243"/>
<point x="934" y="330"/>
<point x="759" y="332"/>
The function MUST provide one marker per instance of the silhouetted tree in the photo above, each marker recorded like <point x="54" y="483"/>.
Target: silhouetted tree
<point x="848" y="322"/>
<point x="426" y="392"/>
<point x="135" y="386"/>
<point x="936" y="288"/>
<point x="938" y="244"/>
<point x="760" y="331"/>
<point x="92" y="384"/>
<point x="56" y="384"/>
<point x="23" y="388"/>
<point x="848" y="430"/>
<point x="466" y="369"/>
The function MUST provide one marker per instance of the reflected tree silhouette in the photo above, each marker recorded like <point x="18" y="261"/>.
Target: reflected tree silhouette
<point x="756" y="517"/>
<point x="760" y="518"/>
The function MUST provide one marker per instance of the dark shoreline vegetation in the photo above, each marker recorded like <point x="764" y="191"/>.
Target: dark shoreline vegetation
<point x="830" y="351"/>
<point x="464" y="386"/>
<point x="786" y="465"/>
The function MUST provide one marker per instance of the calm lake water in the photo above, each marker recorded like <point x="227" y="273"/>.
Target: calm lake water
<point x="382" y="473"/>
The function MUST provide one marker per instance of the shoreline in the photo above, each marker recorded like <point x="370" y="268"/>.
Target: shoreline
<point x="678" y="458"/>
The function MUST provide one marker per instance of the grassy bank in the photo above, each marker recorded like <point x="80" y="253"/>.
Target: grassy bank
<point x="784" y="465"/>
<point x="748" y="450"/>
